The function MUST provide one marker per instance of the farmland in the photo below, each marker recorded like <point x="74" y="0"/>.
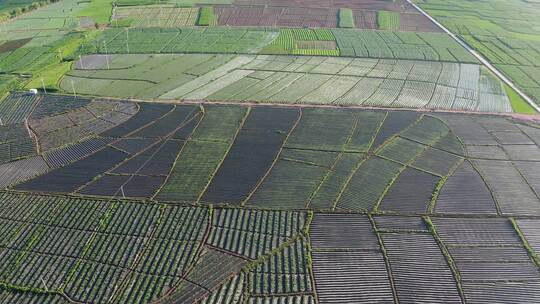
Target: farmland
<point x="316" y="80"/>
<point x="268" y="152"/>
<point x="155" y="16"/>
<point x="222" y="215"/>
<point x="326" y="14"/>
<point x="195" y="152"/>
<point x="349" y="42"/>
<point x="507" y="35"/>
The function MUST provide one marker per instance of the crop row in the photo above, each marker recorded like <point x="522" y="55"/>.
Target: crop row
<point x="176" y="40"/>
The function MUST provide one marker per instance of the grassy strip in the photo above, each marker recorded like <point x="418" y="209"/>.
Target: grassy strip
<point x="387" y="20"/>
<point x="534" y="256"/>
<point x="287" y="42"/>
<point x="206" y="16"/>
<point x="385" y="257"/>
<point x="519" y="105"/>
<point x="22" y="289"/>
<point x="346" y="18"/>
<point x="440" y="185"/>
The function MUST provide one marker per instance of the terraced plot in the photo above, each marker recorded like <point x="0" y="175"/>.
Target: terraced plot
<point x="292" y="79"/>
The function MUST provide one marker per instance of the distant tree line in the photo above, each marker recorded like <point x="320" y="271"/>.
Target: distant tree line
<point x="24" y="9"/>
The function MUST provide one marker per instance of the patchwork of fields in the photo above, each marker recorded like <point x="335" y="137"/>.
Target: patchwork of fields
<point x="205" y="203"/>
<point x="290" y="79"/>
<point x="255" y="152"/>
<point x="507" y="35"/>
<point x="348" y="43"/>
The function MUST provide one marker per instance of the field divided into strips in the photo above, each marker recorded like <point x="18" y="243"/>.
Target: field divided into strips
<point x="506" y="35"/>
<point x="388" y="21"/>
<point x="181" y="40"/>
<point x="280" y="16"/>
<point x="271" y="78"/>
<point x="155" y="16"/>
<point x="303" y="42"/>
<point x="349" y="159"/>
<point x="153" y="251"/>
<point x="411" y="250"/>
<point x="494" y="146"/>
<point x="346" y="255"/>
<point x="54" y="131"/>
<point x="400" y="45"/>
<point x="65" y="241"/>
<point x="491" y="259"/>
<point x="137" y="159"/>
<point x="295" y="230"/>
<point x="56" y="16"/>
<point x="350" y="42"/>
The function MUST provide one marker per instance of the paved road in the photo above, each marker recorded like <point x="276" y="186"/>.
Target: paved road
<point x="480" y="58"/>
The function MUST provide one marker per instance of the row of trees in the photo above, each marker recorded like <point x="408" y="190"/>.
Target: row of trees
<point x="24" y="9"/>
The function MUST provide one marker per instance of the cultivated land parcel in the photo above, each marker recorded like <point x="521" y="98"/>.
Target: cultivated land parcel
<point x="266" y="152"/>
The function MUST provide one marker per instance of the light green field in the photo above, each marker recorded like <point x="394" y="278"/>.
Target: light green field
<point x="292" y="79"/>
<point x="387" y="20"/>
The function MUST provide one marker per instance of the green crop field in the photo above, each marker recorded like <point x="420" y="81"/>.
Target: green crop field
<point x="179" y="40"/>
<point x="507" y="35"/>
<point x="388" y="20"/>
<point x="155" y="16"/>
<point x="346" y="18"/>
<point x="99" y="11"/>
<point x="303" y="42"/>
<point x="290" y="79"/>
<point x="206" y="16"/>
<point x="323" y="42"/>
<point x="400" y="45"/>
